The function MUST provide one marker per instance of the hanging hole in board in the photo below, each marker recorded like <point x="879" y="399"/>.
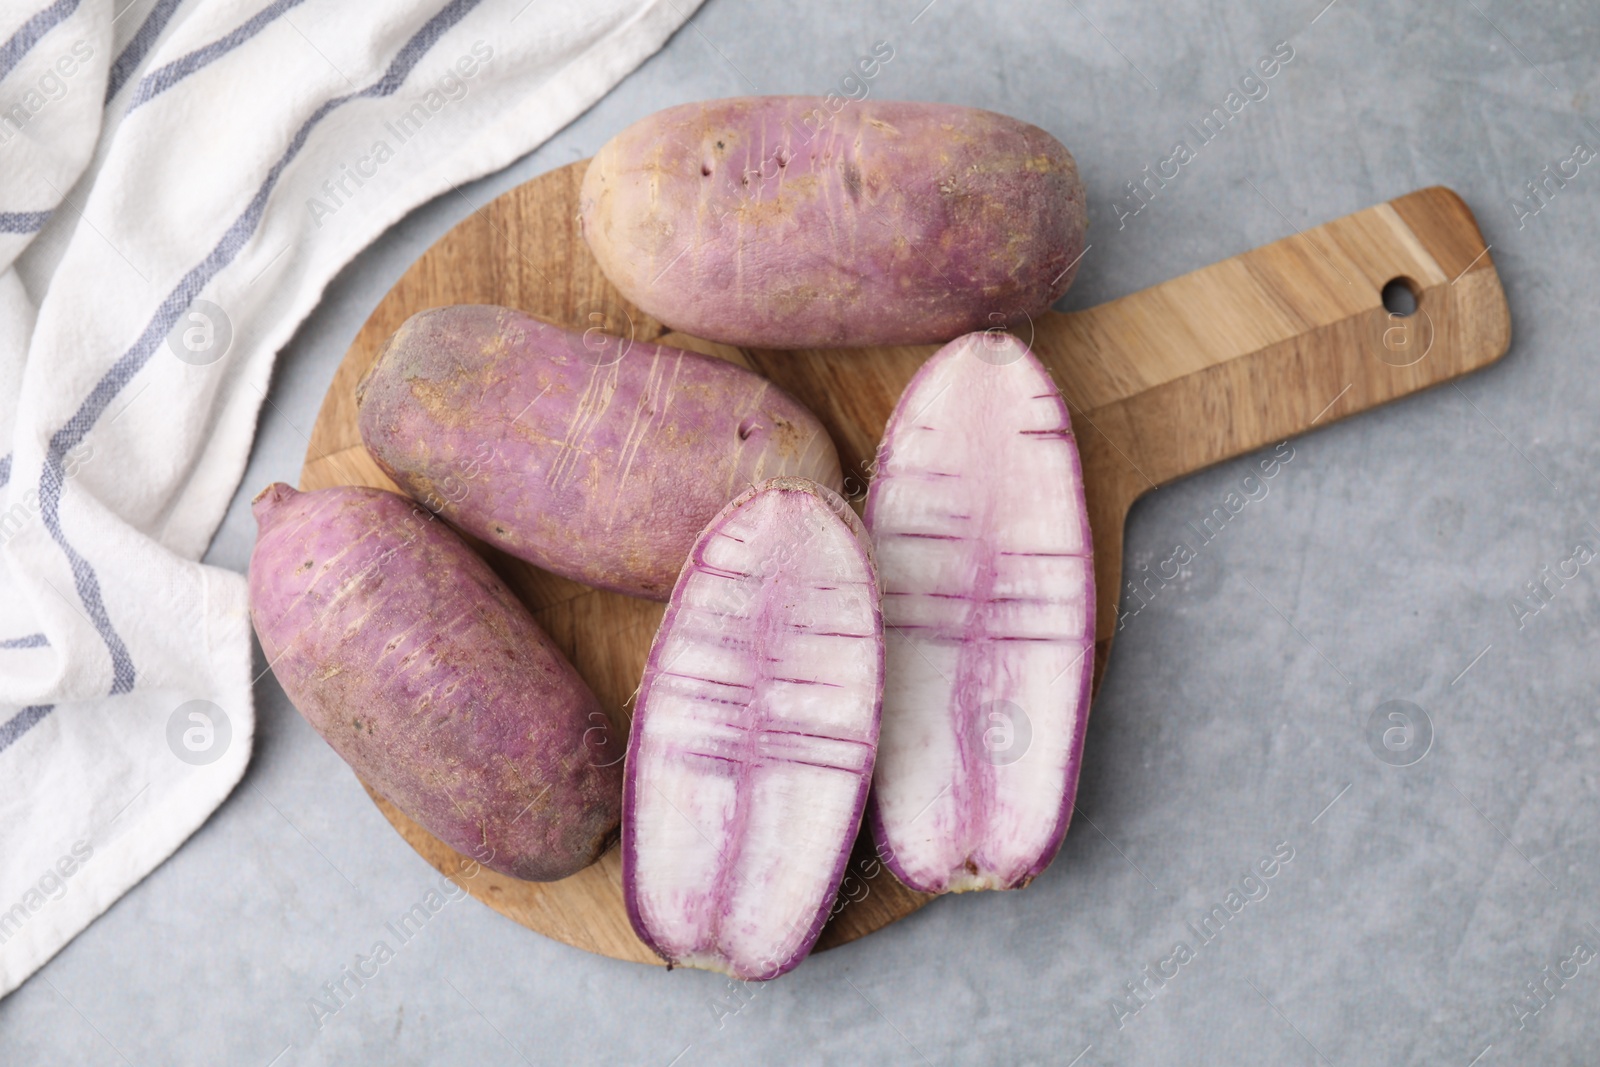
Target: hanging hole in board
<point x="1401" y="296"/>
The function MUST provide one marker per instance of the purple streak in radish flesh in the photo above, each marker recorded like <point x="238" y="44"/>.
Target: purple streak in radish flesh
<point x="752" y="745"/>
<point x="982" y="539"/>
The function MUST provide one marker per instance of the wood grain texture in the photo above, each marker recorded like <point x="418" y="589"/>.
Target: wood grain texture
<point x="1161" y="383"/>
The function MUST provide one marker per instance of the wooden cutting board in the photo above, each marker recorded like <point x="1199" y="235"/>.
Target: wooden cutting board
<point x="1161" y="383"/>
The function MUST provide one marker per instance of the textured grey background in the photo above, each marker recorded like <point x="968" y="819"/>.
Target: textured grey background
<point x="1416" y="907"/>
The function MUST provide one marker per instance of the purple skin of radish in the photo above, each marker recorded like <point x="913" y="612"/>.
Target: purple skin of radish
<point x="978" y="520"/>
<point x="425" y="673"/>
<point x="752" y="745"/>
<point x="784" y="222"/>
<point x="592" y="456"/>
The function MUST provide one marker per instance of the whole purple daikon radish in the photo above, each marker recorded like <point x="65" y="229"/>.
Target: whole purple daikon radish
<point x="778" y="222"/>
<point x="592" y="456"/>
<point x="978" y="520"/>
<point x="427" y="675"/>
<point x="752" y="745"/>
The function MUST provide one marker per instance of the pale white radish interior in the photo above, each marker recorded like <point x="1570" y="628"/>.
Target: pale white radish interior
<point x="758" y="725"/>
<point x="983" y="555"/>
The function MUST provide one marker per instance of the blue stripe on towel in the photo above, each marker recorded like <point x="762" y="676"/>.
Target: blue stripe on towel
<point x="29" y="33"/>
<point x="24" y="221"/>
<point x="135" y="50"/>
<point x="22" y="722"/>
<point x="161" y="79"/>
<point x="30" y="641"/>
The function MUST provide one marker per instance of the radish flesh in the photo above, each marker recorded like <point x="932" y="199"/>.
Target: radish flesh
<point x="752" y="745"/>
<point x="978" y="521"/>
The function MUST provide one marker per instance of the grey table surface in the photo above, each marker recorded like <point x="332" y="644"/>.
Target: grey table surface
<point x="1237" y="715"/>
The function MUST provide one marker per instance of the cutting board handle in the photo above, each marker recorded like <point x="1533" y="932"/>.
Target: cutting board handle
<point x="1268" y="344"/>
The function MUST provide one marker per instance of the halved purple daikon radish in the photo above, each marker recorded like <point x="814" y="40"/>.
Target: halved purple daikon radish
<point x="977" y="516"/>
<point x="753" y="740"/>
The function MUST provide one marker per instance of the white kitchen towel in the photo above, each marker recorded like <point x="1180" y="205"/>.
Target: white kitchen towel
<point x="178" y="181"/>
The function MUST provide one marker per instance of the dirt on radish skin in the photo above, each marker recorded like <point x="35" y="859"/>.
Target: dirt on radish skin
<point x="425" y="674"/>
<point x="753" y="740"/>
<point x="982" y="537"/>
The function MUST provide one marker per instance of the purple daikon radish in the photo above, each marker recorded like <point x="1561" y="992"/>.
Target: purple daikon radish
<point x="982" y="539"/>
<point x="752" y="744"/>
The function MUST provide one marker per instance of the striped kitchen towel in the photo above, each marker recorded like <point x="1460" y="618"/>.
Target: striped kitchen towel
<point x="178" y="181"/>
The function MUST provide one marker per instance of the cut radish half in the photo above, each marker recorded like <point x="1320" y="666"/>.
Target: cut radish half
<point x="752" y="746"/>
<point x="978" y="520"/>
